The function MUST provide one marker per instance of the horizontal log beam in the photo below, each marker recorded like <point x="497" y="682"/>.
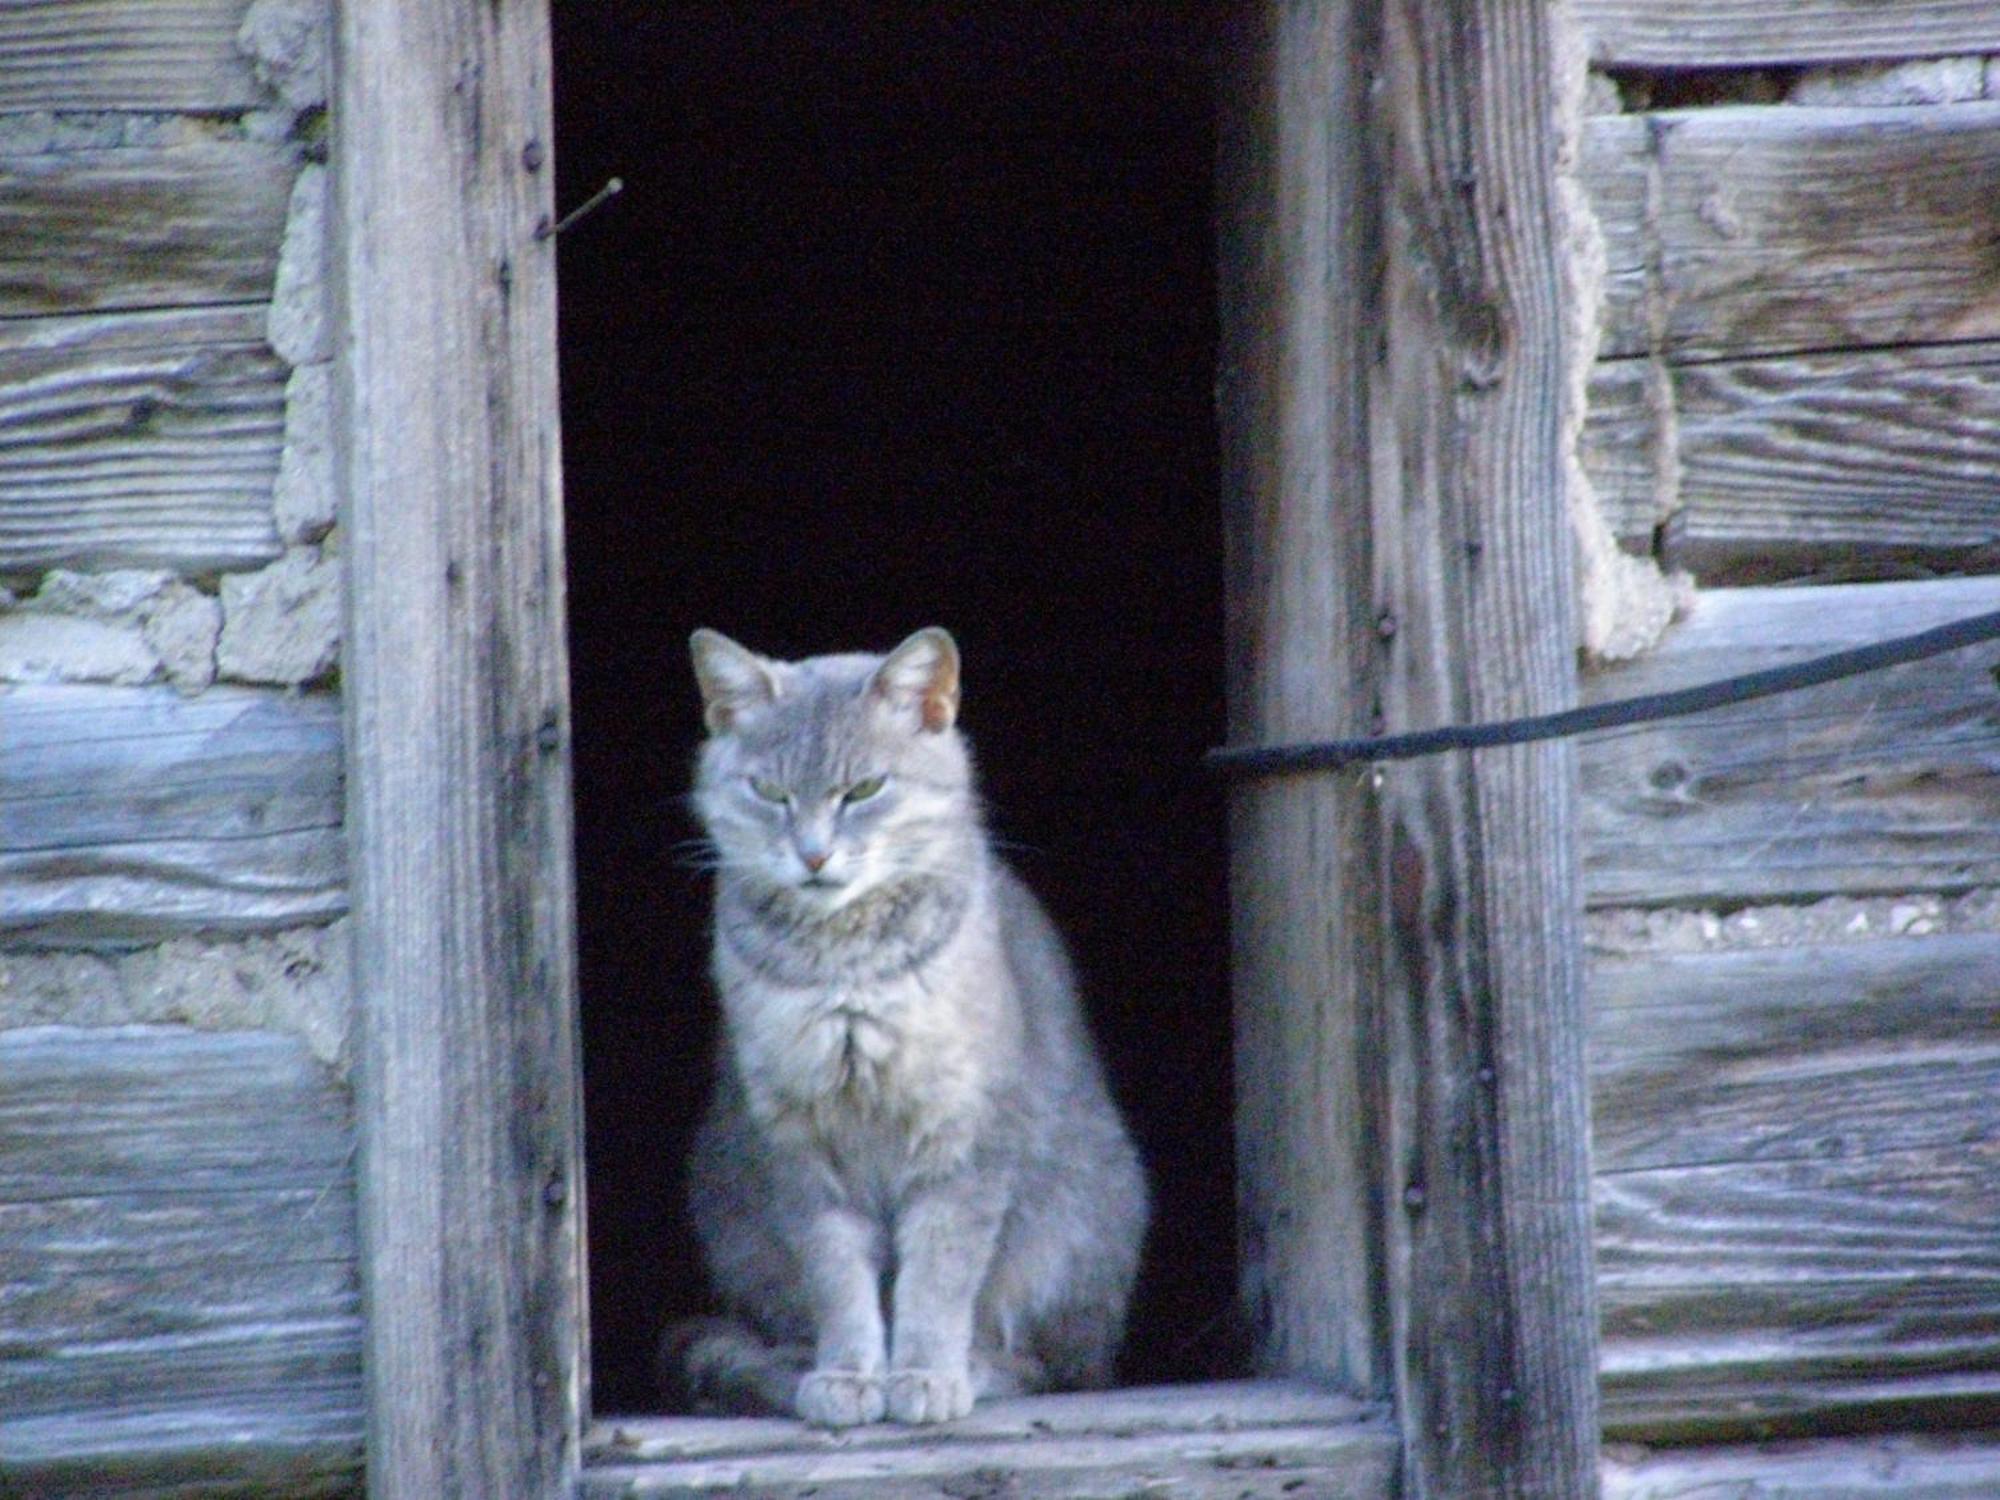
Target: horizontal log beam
<point x="177" y="55"/>
<point x="1877" y="464"/>
<point x="1780" y="230"/>
<point x="1792" y="1054"/>
<point x="1749" y="33"/>
<point x="142" y="227"/>
<point x="143" y="440"/>
<point x="1882" y="783"/>
<point x="1244" y="1441"/>
<point x="177" y="1266"/>
<point x="1798" y="1170"/>
<point x="134" y="814"/>
<point x="1902" y="1466"/>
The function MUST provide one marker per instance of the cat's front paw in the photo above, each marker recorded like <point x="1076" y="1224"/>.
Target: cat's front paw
<point x="840" y="1398"/>
<point x="918" y="1395"/>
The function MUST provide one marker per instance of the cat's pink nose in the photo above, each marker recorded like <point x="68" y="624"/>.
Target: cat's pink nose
<point x="815" y="861"/>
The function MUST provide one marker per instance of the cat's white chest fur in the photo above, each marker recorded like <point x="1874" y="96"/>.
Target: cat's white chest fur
<point x="911" y="1055"/>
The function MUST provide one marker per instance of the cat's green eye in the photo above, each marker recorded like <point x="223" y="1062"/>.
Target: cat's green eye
<point x="862" y="790"/>
<point x="769" y="791"/>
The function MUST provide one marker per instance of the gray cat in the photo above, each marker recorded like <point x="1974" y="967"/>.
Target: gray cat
<point x="908" y="1111"/>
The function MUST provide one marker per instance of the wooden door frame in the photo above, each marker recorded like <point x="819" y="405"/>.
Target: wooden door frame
<point x="455" y="684"/>
<point x="1391" y="370"/>
<point x="1407" y="940"/>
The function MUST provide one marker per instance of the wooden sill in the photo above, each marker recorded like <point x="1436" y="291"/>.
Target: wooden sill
<point x="1230" y="1441"/>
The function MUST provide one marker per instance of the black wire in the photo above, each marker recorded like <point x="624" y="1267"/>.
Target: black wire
<point x="1270" y="760"/>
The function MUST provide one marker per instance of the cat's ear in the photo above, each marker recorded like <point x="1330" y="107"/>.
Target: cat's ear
<point x="921" y="676"/>
<point x="734" y="680"/>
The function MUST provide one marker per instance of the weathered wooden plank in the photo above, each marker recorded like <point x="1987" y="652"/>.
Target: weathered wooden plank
<point x="1801" y="1297"/>
<point x="139" y="440"/>
<point x="1491" y="1283"/>
<point x="1750" y="230"/>
<point x="456" y="686"/>
<point x="1886" y="782"/>
<point x="1905" y="1466"/>
<point x="1784" y="1054"/>
<point x="147" y="1090"/>
<point x="178" y="1336"/>
<point x="1259" y="1438"/>
<point x="1305" y="956"/>
<point x="1746" y="33"/>
<point x="296" y="1443"/>
<point x="167" y="55"/>
<point x="1796" y="1188"/>
<point x="179" y="1297"/>
<point x="1214" y="1406"/>
<point x="1874" y="464"/>
<point x="142" y="227"/>
<point x="1247" y="1465"/>
<point x="136" y="813"/>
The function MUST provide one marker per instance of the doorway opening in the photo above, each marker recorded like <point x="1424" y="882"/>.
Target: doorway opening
<point x="906" y="317"/>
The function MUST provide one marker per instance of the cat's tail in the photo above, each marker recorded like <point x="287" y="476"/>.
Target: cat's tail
<point x="722" y="1366"/>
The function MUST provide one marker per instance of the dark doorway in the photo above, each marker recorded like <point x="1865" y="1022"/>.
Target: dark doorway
<point x="906" y="316"/>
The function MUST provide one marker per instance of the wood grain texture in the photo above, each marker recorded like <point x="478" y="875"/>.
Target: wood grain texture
<point x="179" y="1301"/>
<point x="1796" y="1053"/>
<point x="124" y="55"/>
<point x="1866" y="465"/>
<point x="1301" y="649"/>
<point x="131" y="814"/>
<point x="1745" y="33"/>
<point x="1782" y="230"/>
<point x="1492" y="1283"/>
<point x="139" y="440"/>
<point x="456" y="695"/>
<point x="142" y="227"/>
<point x="1797" y="1182"/>
<point x="1883" y="783"/>
<point x="1256" y="1439"/>
<point x="1900" y="1467"/>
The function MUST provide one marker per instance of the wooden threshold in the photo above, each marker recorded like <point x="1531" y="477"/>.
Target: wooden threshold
<point x="1239" y="1439"/>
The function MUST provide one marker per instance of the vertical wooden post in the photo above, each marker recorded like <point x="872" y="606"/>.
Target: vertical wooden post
<point x="1297" y="225"/>
<point x="458" y="796"/>
<point x="1413" y="1128"/>
<point x="1492" y="1282"/>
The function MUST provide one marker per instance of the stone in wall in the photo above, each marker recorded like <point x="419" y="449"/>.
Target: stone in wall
<point x="69" y="989"/>
<point x="1940" y="80"/>
<point x="123" y="626"/>
<point x="281" y="624"/>
<point x="302" y="503"/>
<point x="182" y="629"/>
<point x="1624" y="603"/>
<point x="294" y="982"/>
<point x="286" y="42"/>
<point x="1623" y="932"/>
<point x="298" y="328"/>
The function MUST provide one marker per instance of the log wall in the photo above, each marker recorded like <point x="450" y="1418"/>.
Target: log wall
<point x="1793" y="1096"/>
<point x="1798" y="370"/>
<point x="179" y="1292"/>
<point x="178" y="1299"/>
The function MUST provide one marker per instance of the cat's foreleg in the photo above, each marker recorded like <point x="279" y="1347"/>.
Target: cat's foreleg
<point x="843" y="1268"/>
<point x="944" y="1245"/>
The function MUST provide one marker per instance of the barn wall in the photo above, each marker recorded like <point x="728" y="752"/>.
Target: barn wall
<point x="1795" y="906"/>
<point x="177" y="1251"/>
